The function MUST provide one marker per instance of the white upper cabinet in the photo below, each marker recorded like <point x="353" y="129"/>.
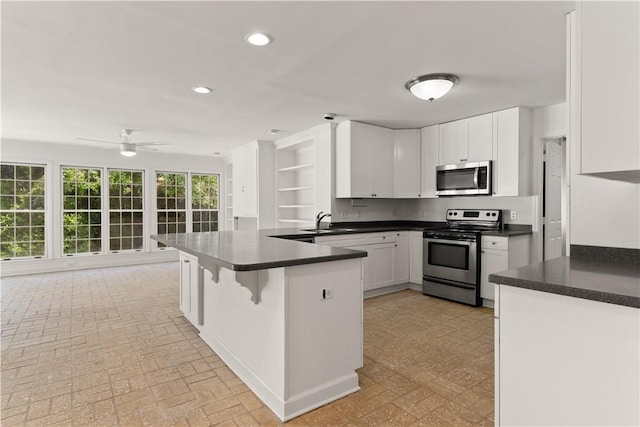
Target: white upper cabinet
<point x="512" y="152"/>
<point x="454" y="142"/>
<point x="364" y="161"/>
<point x="606" y="42"/>
<point x="406" y="163"/>
<point x="480" y="137"/>
<point x="429" y="160"/>
<point x="466" y="140"/>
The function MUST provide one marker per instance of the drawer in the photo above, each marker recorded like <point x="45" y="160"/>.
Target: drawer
<point x="494" y="242"/>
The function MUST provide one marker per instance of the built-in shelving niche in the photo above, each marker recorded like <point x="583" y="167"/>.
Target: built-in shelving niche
<point x="296" y="185"/>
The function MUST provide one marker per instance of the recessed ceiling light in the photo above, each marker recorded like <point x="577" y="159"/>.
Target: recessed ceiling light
<point x="201" y="89"/>
<point x="258" y="39"/>
<point x="273" y="131"/>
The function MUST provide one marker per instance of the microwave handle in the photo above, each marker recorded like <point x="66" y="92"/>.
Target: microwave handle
<point x="475" y="177"/>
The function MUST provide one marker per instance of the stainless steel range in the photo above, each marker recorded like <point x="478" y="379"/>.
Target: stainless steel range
<point x="451" y="264"/>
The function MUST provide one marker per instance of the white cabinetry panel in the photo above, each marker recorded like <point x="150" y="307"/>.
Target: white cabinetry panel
<point x="406" y="163"/>
<point x="364" y="161"/>
<point x="609" y="43"/>
<point x="429" y="160"/>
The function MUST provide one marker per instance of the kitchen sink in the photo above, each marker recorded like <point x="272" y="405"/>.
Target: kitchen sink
<point x="327" y="230"/>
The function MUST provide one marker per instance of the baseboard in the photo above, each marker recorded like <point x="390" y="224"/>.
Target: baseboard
<point x="391" y="289"/>
<point x="296" y="405"/>
<point x="36" y="266"/>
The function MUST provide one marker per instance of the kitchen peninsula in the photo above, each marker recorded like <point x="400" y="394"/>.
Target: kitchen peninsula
<point x="285" y="316"/>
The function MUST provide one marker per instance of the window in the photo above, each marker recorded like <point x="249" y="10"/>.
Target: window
<point x="171" y="191"/>
<point x="204" y="202"/>
<point x="126" y="231"/>
<point x="81" y="210"/>
<point x="22" y="210"/>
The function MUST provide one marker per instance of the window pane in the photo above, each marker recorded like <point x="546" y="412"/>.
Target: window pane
<point x="122" y="209"/>
<point x="22" y="210"/>
<point x="81" y="190"/>
<point x="170" y="201"/>
<point x="204" y="202"/>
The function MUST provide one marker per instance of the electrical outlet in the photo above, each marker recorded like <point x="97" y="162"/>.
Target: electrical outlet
<point x="345" y="214"/>
<point x="514" y="215"/>
<point x="327" y="293"/>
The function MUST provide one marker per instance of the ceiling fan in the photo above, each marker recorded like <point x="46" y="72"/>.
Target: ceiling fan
<point x="127" y="147"/>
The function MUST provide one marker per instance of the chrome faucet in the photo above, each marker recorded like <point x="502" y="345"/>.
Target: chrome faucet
<point x="319" y="218"/>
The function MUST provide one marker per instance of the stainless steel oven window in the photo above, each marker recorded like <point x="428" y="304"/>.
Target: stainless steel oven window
<point x="449" y="255"/>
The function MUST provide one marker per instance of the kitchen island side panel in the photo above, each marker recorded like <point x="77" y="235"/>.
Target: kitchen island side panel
<point x="566" y="361"/>
<point x="298" y="347"/>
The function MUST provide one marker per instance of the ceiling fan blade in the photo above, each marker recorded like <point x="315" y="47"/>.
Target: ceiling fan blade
<point x="142" y="144"/>
<point x="98" y="140"/>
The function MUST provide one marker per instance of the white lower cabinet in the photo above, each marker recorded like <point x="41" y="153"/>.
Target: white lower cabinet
<point x="190" y="288"/>
<point x="401" y="255"/>
<point x="500" y="254"/>
<point x="387" y="261"/>
<point x="415" y="257"/>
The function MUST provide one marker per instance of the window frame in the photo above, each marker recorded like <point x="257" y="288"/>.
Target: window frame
<point x="194" y="210"/>
<point x="46" y="211"/>
<point x="61" y="212"/>
<point x="142" y="210"/>
<point x="188" y="203"/>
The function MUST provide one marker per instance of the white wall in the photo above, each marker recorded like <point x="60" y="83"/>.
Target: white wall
<point x="435" y="209"/>
<point x="56" y="155"/>
<point x="605" y="212"/>
<point x="348" y="210"/>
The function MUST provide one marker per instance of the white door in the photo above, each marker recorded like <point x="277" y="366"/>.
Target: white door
<point x="552" y="210"/>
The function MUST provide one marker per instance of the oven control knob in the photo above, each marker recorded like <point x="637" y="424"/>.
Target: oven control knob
<point x="488" y="214"/>
<point x="455" y="213"/>
<point x="493" y="214"/>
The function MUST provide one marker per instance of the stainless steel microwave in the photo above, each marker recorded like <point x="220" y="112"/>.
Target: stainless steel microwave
<point x="464" y="179"/>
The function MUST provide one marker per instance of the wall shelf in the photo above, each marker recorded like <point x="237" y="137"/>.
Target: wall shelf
<point x="296" y="168"/>
<point x="309" y="187"/>
<point x="296" y="183"/>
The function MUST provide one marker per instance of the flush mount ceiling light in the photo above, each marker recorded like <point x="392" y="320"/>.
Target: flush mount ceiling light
<point x="431" y="86"/>
<point x="258" y="39"/>
<point x="201" y="89"/>
<point x="273" y="131"/>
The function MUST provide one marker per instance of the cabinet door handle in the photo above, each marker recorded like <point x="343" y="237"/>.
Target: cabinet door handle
<point x="396" y="246"/>
<point x="463" y="160"/>
<point x="384" y="237"/>
<point x="186" y="261"/>
<point x="242" y="189"/>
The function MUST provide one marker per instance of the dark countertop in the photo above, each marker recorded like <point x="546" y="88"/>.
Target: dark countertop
<point x="382" y="226"/>
<point x="602" y="281"/>
<point x="252" y="250"/>
<point x="269" y="248"/>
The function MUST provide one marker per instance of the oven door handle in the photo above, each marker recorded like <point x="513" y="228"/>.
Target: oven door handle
<point x="448" y="282"/>
<point x="463" y="242"/>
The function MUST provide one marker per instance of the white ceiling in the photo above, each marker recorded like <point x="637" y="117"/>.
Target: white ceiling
<point x="89" y="69"/>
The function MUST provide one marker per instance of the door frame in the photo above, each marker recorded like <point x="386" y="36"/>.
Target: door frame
<point x="539" y="183"/>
